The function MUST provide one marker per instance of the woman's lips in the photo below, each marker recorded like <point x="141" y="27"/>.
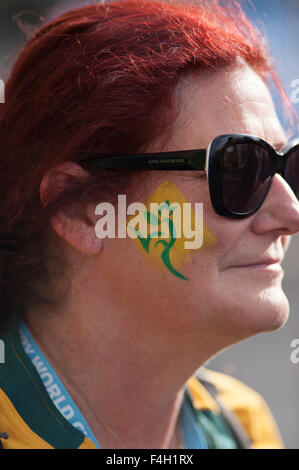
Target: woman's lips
<point x="261" y="266"/>
<point x="265" y="266"/>
<point x="272" y="262"/>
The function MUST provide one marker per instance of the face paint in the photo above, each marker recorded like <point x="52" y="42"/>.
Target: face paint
<point x="166" y="238"/>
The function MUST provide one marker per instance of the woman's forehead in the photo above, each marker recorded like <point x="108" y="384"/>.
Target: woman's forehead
<point x="235" y="100"/>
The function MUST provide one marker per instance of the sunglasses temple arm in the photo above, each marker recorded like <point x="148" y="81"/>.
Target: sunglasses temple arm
<point x="188" y="160"/>
<point x="198" y="159"/>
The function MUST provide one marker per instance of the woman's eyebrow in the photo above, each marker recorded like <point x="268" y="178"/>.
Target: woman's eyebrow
<point x="280" y="145"/>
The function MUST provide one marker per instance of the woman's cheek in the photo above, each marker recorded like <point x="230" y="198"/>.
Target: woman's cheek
<point x="169" y="230"/>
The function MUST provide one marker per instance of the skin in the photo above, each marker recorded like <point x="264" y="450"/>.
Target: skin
<point x="129" y="336"/>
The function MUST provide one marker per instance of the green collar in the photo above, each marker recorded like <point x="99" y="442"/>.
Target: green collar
<point x="23" y="386"/>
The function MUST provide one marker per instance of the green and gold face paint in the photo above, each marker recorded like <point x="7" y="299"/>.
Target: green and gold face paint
<point x="164" y="231"/>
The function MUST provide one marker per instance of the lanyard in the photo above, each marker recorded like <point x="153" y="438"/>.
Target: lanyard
<point x="193" y="437"/>
<point x="57" y="392"/>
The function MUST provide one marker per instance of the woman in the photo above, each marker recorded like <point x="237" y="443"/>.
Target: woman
<point x="105" y="338"/>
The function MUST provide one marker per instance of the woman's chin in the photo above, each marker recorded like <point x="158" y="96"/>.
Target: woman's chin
<point x="269" y="312"/>
<point x="266" y="311"/>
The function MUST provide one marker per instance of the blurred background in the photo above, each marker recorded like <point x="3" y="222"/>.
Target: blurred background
<point x="262" y="362"/>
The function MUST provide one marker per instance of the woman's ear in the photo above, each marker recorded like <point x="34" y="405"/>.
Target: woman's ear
<point x="74" y="230"/>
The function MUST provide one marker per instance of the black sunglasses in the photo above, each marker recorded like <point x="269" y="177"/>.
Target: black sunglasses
<point x="239" y="167"/>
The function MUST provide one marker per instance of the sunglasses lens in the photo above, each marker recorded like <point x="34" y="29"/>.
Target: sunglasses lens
<point x="246" y="177"/>
<point x="291" y="174"/>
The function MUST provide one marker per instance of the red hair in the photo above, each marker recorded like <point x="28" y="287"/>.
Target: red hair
<point x="97" y="79"/>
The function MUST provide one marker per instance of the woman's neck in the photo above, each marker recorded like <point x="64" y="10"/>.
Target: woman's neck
<point x="128" y="390"/>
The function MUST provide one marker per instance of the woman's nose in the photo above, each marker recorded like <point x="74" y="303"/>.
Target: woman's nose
<point x="280" y="210"/>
